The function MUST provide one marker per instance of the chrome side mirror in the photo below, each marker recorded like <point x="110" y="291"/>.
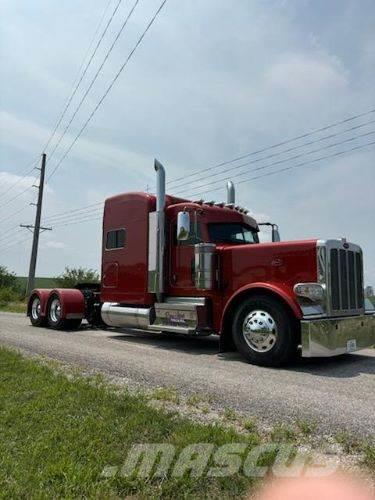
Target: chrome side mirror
<point x="275" y="233"/>
<point x="183" y="226"/>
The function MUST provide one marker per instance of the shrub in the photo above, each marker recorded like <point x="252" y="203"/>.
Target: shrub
<point x="7" y="278"/>
<point x="74" y="275"/>
<point x="7" y="295"/>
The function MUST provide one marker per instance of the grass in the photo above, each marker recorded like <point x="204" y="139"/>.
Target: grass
<point x="229" y="414"/>
<point x="306" y="427"/>
<point x="281" y="433"/>
<point x="168" y="394"/>
<point x="250" y="425"/>
<point x="351" y="444"/>
<point x="17" y="307"/>
<point x="369" y="456"/>
<point x="347" y="442"/>
<point x="198" y="399"/>
<point x="58" y="433"/>
<point x="11" y="300"/>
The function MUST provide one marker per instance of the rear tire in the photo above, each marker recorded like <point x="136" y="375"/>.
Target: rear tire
<point x="55" y="319"/>
<point x="263" y="331"/>
<point x="36" y="317"/>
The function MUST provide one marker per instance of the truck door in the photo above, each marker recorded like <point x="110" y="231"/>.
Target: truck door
<point x="181" y="275"/>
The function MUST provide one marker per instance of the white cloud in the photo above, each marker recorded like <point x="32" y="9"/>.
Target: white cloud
<point x="22" y="133"/>
<point x="55" y="244"/>
<point x="305" y="76"/>
<point x="13" y="184"/>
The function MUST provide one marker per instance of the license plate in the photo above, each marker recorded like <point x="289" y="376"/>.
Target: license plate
<point x="351" y="345"/>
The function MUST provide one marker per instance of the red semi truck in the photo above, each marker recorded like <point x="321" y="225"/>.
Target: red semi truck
<point x="198" y="268"/>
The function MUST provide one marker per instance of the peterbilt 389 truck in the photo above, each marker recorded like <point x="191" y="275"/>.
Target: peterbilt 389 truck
<point x="197" y="268"/>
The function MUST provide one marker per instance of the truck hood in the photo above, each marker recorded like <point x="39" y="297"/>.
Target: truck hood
<point x="282" y="264"/>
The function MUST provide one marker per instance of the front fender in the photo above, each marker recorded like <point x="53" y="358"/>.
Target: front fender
<point x="277" y="290"/>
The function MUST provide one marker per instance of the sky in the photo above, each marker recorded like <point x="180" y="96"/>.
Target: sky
<point x="211" y="81"/>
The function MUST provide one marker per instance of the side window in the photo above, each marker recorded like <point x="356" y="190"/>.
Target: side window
<point x="115" y="239"/>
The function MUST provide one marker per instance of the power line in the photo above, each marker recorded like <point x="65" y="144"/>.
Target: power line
<point x="4" y="219"/>
<point x="333" y="155"/>
<point x="94" y="217"/>
<point x="71" y="217"/>
<point x="21" y="177"/>
<point x="76" y="87"/>
<point x="93" y="39"/>
<point x="109" y="88"/>
<point x="19" y="194"/>
<point x="87" y="210"/>
<point x="273" y="155"/>
<point x="9" y="245"/>
<point x="74" y="211"/>
<point x="94" y="79"/>
<point x="273" y="146"/>
<point x="78" y="221"/>
<point x="7" y="231"/>
<point x="291" y="158"/>
<point x="62" y="224"/>
<point x="13" y="243"/>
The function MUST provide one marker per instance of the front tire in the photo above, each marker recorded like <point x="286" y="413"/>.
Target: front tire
<point x="263" y="331"/>
<point x="55" y="319"/>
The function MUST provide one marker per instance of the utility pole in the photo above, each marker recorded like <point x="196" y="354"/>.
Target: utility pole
<point x="36" y="228"/>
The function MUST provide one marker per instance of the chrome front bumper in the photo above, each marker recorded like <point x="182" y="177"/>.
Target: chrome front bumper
<point x="334" y="336"/>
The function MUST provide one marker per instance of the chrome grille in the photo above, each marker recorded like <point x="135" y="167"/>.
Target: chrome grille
<point x="346" y="280"/>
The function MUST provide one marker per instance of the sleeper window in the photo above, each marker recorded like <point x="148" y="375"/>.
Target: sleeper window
<point x="115" y="239"/>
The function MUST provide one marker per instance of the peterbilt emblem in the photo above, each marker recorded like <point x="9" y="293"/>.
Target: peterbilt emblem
<point x="345" y="244"/>
<point x="277" y="262"/>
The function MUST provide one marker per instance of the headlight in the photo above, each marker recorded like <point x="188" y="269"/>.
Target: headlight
<point x="312" y="291"/>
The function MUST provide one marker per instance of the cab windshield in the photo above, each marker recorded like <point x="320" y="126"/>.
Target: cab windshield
<point x="233" y="233"/>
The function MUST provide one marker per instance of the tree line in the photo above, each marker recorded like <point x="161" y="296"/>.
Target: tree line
<point x="13" y="290"/>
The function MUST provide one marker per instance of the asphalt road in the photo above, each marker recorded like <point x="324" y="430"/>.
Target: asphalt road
<point x="337" y="393"/>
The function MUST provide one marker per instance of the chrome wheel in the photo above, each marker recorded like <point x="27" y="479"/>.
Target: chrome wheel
<point x="55" y="310"/>
<point x="260" y="331"/>
<point x="35" y="309"/>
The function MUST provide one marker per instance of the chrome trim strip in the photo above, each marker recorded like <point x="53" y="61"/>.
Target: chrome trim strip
<point x="174" y="329"/>
<point x="196" y="301"/>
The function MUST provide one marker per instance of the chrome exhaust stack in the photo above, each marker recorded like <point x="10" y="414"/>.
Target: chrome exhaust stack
<point x="160" y="229"/>
<point x="231" y="193"/>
